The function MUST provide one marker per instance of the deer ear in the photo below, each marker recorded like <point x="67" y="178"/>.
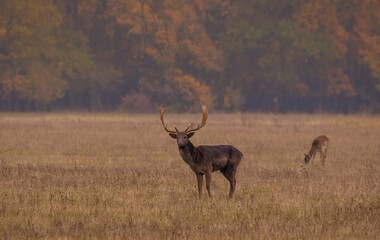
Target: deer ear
<point x="189" y="135"/>
<point x="173" y="135"/>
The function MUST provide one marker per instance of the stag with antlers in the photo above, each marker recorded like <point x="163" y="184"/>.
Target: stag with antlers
<point x="204" y="160"/>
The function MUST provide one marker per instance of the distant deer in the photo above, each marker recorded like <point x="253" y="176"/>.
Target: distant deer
<point x="204" y="160"/>
<point x="319" y="145"/>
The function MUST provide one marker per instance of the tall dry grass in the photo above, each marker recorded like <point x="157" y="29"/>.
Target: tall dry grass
<point x="119" y="176"/>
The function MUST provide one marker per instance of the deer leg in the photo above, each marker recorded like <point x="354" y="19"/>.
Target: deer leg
<point x="312" y="158"/>
<point x="324" y="155"/>
<point x="232" y="185"/>
<point x="208" y="182"/>
<point x="229" y="173"/>
<point x="200" y="182"/>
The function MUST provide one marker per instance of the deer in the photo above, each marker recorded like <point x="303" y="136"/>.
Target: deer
<point x="319" y="145"/>
<point x="203" y="160"/>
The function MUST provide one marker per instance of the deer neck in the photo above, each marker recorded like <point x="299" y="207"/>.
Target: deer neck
<point x="188" y="153"/>
<point x="312" y="151"/>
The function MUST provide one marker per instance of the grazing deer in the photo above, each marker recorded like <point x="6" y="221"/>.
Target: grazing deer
<point x="319" y="145"/>
<point x="204" y="160"/>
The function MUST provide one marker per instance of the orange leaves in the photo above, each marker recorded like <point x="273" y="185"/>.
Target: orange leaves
<point x="135" y="14"/>
<point x="40" y="89"/>
<point x="369" y="49"/>
<point x="178" y="33"/>
<point x="165" y="45"/>
<point x="187" y="51"/>
<point x="172" y="36"/>
<point x="191" y="89"/>
<point x="368" y="35"/>
<point x="172" y="30"/>
<point x="322" y="15"/>
<point x="203" y="54"/>
<point x="352" y="25"/>
<point x="136" y="101"/>
<point x="7" y="84"/>
<point x="339" y="83"/>
<point x="40" y="54"/>
<point x="32" y="86"/>
<point x="179" y="87"/>
<point x="174" y="17"/>
<point x="308" y="15"/>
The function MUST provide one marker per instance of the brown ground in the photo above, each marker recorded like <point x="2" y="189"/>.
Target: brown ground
<point x="120" y="176"/>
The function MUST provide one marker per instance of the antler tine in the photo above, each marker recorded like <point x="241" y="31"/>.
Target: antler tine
<point x="175" y="128"/>
<point x="162" y="111"/>
<point x="188" y="127"/>
<point x="204" y="119"/>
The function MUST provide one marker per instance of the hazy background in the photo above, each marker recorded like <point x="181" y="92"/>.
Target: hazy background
<point x="251" y="55"/>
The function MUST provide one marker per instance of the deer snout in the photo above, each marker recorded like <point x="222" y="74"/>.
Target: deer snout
<point x="307" y="159"/>
<point x="181" y="145"/>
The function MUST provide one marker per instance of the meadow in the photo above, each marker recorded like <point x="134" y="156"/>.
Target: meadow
<point x="120" y="176"/>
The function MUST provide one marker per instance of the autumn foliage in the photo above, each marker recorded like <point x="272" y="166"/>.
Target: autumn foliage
<point x="230" y="55"/>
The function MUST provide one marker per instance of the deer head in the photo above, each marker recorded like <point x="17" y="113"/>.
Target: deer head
<point x="183" y="137"/>
<point x="307" y="158"/>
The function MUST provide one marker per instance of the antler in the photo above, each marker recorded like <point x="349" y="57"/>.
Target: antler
<point x="162" y="111"/>
<point x="204" y="119"/>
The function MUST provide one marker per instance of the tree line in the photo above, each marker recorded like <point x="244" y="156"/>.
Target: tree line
<point x="246" y="55"/>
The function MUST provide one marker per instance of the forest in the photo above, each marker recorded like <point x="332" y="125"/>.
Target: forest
<point x="243" y="55"/>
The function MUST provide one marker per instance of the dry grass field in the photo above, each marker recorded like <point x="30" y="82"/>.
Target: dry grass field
<point x="119" y="176"/>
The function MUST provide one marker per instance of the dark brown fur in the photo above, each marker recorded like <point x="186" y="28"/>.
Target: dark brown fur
<point x="204" y="160"/>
